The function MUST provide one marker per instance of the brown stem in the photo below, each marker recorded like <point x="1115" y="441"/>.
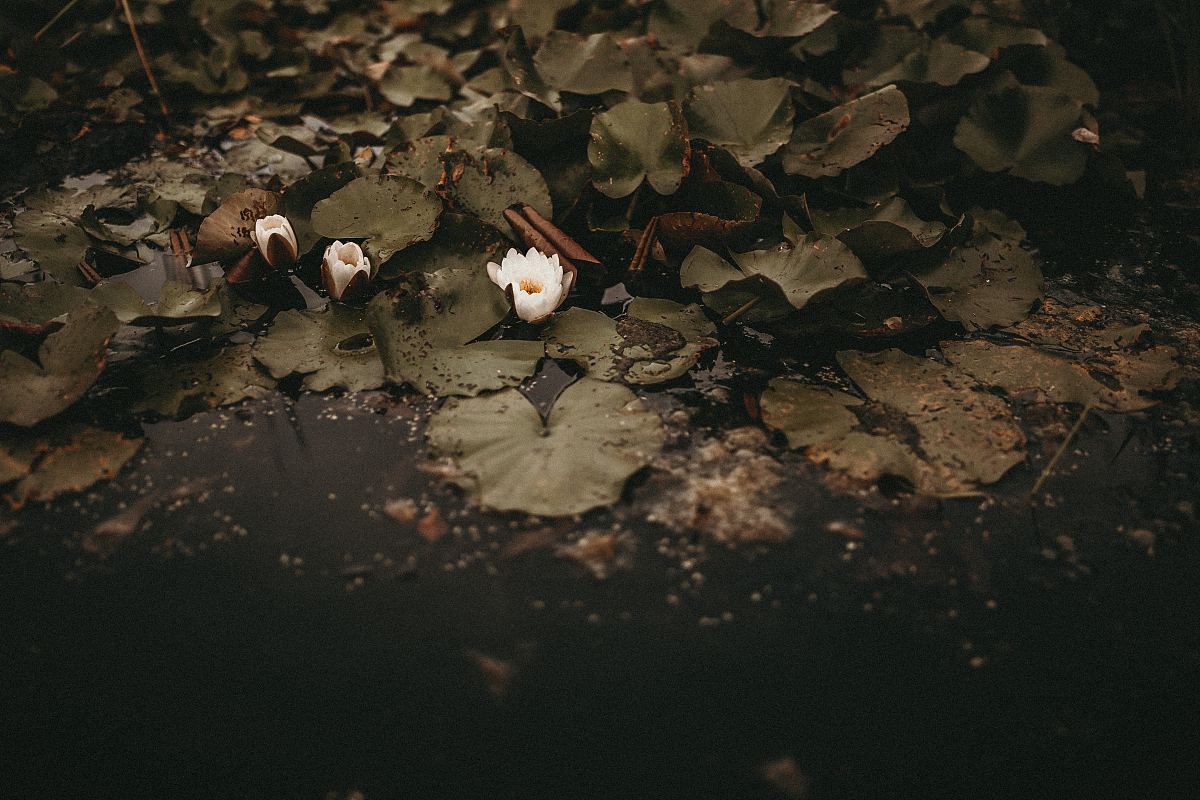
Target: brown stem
<point x="644" y="245"/>
<point x="137" y="43"/>
<point x="1062" y="448"/>
<point x="563" y="244"/>
<point x="54" y="20"/>
<point x="738" y="312"/>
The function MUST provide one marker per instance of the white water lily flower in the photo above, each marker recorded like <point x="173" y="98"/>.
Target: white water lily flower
<point x="538" y="282"/>
<point x="345" y="269"/>
<point x="276" y="240"/>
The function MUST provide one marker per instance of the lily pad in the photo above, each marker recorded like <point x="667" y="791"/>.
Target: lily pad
<point x="461" y="241"/>
<point x="933" y="61"/>
<point x="330" y="348"/>
<point x="487" y="181"/>
<point x="301" y="196"/>
<point x="390" y="211"/>
<point x="807" y="414"/>
<point x="32" y="308"/>
<point x="583" y="64"/>
<point x="60" y="459"/>
<point x="987" y="283"/>
<point x="425" y="336"/>
<point x="178" y="303"/>
<point x="750" y="118"/>
<point x="54" y="243"/>
<point x="596" y="436"/>
<point x="726" y="289"/>
<point x="1025" y="130"/>
<point x="636" y="141"/>
<point x="68" y="363"/>
<point x="806" y="271"/>
<point x="880" y="232"/>
<point x="654" y="341"/>
<point x="175" y="388"/>
<point x="406" y="85"/>
<point x="847" y="135"/>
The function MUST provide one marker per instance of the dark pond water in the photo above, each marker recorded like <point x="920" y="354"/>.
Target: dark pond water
<point x="242" y="615"/>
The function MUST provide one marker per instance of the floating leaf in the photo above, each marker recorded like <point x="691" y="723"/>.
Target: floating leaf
<point x="330" y="348"/>
<point x="929" y="61"/>
<point x="425" y="337"/>
<point x="583" y="64"/>
<point x="654" y="341"/>
<point x="173" y="180"/>
<point x="390" y="211"/>
<point x="1032" y="372"/>
<point x="807" y="414"/>
<point x="54" y="460"/>
<point x="633" y="141"/>
<point x="69" y="361"/>
<point x="987" y="283"/>
<point x="750" y="118"/>
<point x="881" y="232"/>
<point x="847" y="135"/>
<point x="487" y="181"/>
<point x="989" y="35"/>
<point x="595" y="437"/>
<point x="1027" y="131"/>
<point x="54" y="243"/>
<point x="175" y="388"/>
<point x="461" y="241"/>
<point x="517" y="63"/>
<point x="726" y="289"/>
<point x="301" y="196"/>
<point x="716" y="210"/>
<point x="406" y="85"/>
<point x="805" y="271"/>
<point x="31" y="308"/>
<point x="228" y="233"/>
<point x="921" y="12"/>
<point x="783" y="18"/>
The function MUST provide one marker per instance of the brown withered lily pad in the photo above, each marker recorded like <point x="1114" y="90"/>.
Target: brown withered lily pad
<point x="227" y="233"/>
<point x="59" y="459"/>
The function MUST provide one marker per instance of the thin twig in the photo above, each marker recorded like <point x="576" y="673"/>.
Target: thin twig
<point x="738" y="312"/>
<point x="137" y="43"/>
<point x="54" y="20"/>
<point x="1062" y="448"/>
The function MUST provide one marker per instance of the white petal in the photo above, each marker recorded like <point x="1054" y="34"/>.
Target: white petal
<point x="496" y="273"/>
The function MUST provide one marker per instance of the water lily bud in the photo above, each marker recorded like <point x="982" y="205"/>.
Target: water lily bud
<point x="536" y="283"/>
<point x="345" y="270"/>
<point x="276" y="241"/>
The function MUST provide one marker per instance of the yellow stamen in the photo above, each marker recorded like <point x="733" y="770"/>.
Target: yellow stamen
<point x="531" y="286"/>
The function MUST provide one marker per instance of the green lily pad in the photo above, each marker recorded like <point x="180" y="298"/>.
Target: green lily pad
<point x="406" y="85"/>
<point x="461" y="241"/>
<point x="847" y="135"/>
<point x="654" y="341"/>
<point x="726" y="289"/>
<point x="881" y="232"/>
<point x="1025" y="130"/>
<point x="390" y="211"/>
<point x="933" y="61"/>
<point x="989" y="35"/>
<point x="175" y="388"/>
<point x="330" y="348"/>
<point x="750" y="118"/>
<point x="921" y="12"/>
<point x="597" y="435"/>
<point x="178" y="303"/>
<point x="421" y="159"/>
<point x="32" y="308"/>
<point x="173" y="180"/>
<point x="986" y="283"/>
<point x="486" y="181"/>
<point x="54" y="243"/>
<point x="783" y="19"/>
<point x="636" y="141"/>
<point x="56" y="459"/>
<point x="301" y="196"/>
<point x="806" y="271"/>
<point x="523" y="75"/>
<point x="425" y="337"/>
<point x="583" y="64"/>
<point x="68" y="363"/>
<point x="807" y="414"/>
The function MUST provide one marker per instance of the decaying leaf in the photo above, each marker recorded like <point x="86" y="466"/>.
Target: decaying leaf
<point x="175" y="388"/>
<point x="57" y="459"/>
<point x="986" y="283"/>
<point x="228" y="232"/>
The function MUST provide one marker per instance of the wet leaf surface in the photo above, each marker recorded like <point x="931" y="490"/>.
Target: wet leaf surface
<point x="176" y="387"/>
<point x="635" y="141"/>
<point x="331" y="348"/>
<point x="390" y="212"/>
<point x="596" y="436"/>
<point x="847" y="135"/>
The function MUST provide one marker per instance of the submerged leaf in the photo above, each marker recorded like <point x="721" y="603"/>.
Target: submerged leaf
<point x="55" y="460"/>
<point x="176" y="388"/>
<point x="807" y="414"/>
<point x="595" y="437"/>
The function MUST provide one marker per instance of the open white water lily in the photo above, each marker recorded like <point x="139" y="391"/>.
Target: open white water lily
<point x="536" y="283"/>
<point x="345" y="270"/>
<point x="276" y="240"/>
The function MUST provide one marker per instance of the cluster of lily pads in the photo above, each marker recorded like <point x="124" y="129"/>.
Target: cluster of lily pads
<point x="619" y="186"/>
